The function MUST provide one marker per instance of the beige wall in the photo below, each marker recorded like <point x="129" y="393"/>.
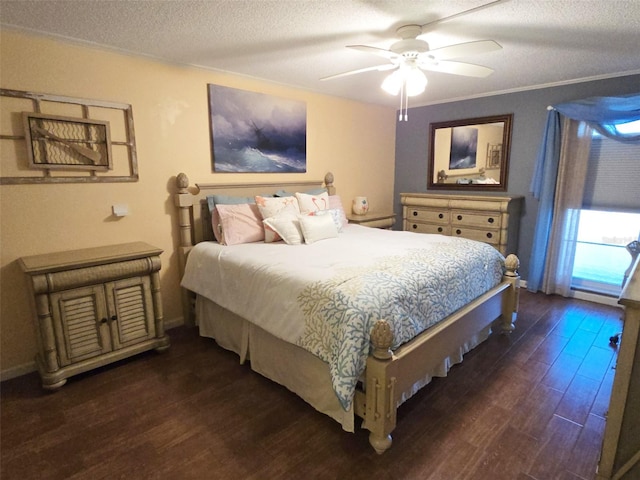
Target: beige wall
<point x="353" y="140"/>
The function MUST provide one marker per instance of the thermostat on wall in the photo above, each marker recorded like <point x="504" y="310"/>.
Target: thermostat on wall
<point x="120" y="209"/>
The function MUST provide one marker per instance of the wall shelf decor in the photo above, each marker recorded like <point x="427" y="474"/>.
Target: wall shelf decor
<point x="57" y="139"/>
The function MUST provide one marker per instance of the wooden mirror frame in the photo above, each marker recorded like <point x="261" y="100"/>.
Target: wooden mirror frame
<point x="490" y="158"/>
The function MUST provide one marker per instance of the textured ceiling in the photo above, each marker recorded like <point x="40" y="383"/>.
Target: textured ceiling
<point x="297" y="42"/>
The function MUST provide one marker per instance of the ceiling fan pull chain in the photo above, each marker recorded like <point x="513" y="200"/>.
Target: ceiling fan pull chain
<point x="401" y="95"/>
<point x="406" y="104"/>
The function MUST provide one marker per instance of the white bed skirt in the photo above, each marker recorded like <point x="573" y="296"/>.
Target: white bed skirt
<point x="309" y="379"/>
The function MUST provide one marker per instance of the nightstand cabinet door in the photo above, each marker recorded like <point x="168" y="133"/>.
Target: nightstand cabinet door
<point x="80" y="324"/>
<point x="131" y="311"/>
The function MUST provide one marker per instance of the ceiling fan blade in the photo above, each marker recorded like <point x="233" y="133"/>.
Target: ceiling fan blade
<point x="463" y="49"/>
<point x="426" y="26"/>
<point x="457" y="68"/>
<point x="381" y="52"/>
<point x="379" y="68"/>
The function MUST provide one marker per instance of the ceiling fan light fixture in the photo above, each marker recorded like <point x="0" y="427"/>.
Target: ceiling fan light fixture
<point x="416" y="82"/>
<point x="393" y="83"/>
<point x="412" y="80"/>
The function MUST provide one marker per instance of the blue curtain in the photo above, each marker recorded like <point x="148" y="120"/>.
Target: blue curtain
<point x="602" y="114"/>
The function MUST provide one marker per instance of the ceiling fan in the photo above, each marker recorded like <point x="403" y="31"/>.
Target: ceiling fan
<point x="410" y="57"/>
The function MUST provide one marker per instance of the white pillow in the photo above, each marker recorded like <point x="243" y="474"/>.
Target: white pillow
<point x="312" y="203"/>
<point x="336" y="202"/>
<point x="286" y="226"/>
<point x="317" y="227"/>
<point x="335" y="214"/>
<point x="270" y="207"/>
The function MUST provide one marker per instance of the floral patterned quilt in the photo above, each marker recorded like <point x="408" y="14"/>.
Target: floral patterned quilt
<point x="326" y="296"/>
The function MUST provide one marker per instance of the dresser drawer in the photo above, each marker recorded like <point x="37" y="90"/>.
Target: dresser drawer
<point x="426" y="215"/>
<point x="427" y="228"/>
<point x="487" y="236"/>
<point x="475" y="219"/>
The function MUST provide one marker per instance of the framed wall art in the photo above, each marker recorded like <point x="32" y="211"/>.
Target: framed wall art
<point x="256" y="133"/>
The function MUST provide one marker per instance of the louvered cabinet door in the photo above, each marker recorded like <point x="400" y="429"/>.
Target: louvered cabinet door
<point x="130" y="306"/>
<point x="80" y="324"/>
<point x="93" y="307"/>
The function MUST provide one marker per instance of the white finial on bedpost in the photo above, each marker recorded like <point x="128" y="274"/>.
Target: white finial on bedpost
<point x="328" y="181"/>
<point x="381" y="339"/>
<point x="182" y="181"/>
<point x="184" y="202"/>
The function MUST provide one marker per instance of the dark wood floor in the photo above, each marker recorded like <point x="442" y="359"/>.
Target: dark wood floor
<point x="529" y="406"/>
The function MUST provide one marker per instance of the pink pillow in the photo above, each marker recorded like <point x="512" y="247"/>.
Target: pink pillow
<point x="240" y="224"/>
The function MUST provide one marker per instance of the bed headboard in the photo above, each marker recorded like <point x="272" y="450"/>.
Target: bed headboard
<point x="194" y="216"/>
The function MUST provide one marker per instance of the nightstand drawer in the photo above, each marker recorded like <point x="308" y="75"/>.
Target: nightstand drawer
<point x="428" y="228"/>
<point x="475" y="219"/>
<point x="422" y="215"/>
<point x="487" y="236"/>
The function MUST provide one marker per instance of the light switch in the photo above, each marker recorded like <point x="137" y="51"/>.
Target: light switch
<point x="120" y="209"/>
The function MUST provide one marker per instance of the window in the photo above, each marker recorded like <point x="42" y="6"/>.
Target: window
<point x="610" y="217"/>
<point x="601" y="257"/>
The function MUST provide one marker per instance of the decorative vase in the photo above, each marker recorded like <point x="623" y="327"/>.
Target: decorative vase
<point x="360" y="205"/>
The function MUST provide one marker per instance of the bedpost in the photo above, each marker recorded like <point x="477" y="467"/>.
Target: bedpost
<point x="511" y="300"/>
<point x="184" y="201"/>
<point x="328" y="182"/>
<point x="380" y="411"/>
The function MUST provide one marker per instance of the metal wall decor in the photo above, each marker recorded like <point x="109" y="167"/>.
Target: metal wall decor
<point x="58" y="142"/>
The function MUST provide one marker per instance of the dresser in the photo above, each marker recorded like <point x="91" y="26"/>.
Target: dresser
<point x="94" y="306"/>
<point x="494" y="219"/>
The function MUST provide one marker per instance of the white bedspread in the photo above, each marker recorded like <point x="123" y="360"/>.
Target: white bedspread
<point x="325" y="296"/>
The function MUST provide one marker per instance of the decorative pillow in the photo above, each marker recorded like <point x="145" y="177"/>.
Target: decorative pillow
<point x="334" y="213"/>
<point x="270" y="207"/>
<point x="312" y="203"/>
<point x="240" y="224"/>
<point x="213" y="200"/>
<point x="336" y="203"/>
<point x="286" y="225"/>
<point x="290" y="210"/>
<point x="317" y="227"/>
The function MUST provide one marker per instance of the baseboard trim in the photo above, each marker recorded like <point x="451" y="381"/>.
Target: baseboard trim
<point x="24" y="369"/>
<point x="17" y="371"/>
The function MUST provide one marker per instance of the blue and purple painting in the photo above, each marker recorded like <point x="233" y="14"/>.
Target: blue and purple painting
<point x="464" y="146"/>
<point x="257" y="133"/>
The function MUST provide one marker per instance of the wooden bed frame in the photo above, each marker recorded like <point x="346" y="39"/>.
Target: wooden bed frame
<point x="389" y="375"/>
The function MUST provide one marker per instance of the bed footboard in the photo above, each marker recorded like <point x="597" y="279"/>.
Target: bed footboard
<point x="389" y="374"/>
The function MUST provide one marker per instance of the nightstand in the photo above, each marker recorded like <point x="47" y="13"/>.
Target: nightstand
<point x="373" y="219"/>
<point x="94" y="306"/>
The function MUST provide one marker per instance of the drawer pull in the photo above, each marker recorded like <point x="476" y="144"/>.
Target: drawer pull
<point x="491" y="220"/>
<point x="415" y="226"/>
<point x="103" y="320"/>
<point x="459" y="217"/>
<point x="489" y="235"/>
<point x="458" y="232"/>
<point x="439" y="229"/>
<point x="415" y="214"/>
<point x="440" y="215"/>
<point x="114" y="318"/>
